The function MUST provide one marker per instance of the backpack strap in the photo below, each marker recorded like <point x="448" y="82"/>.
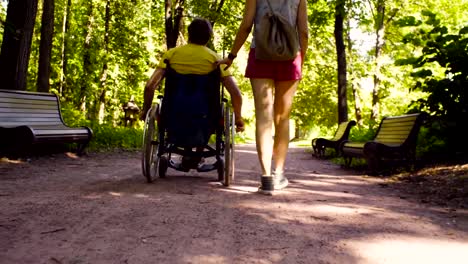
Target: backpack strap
<point x="271" y="8"/>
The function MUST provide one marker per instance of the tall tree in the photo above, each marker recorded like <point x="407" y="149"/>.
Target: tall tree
<point x="16" y="45"/>
<point x="353" y="70"/>
<point x="64" y="48"/>
<point x="45" y="47"/>
<point x="379" y="26"/>
<point x="105" y="66"/>
<point x="173" y="20"/>
<point x="341" y="58"/>
<point x="87" y="67"/>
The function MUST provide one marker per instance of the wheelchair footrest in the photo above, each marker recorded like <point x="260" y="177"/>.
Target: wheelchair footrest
<point x="207" y="167"/>
<point x="178" y="166"/>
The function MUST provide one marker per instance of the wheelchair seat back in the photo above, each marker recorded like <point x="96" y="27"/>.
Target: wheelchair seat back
<point x="191" y="109"/>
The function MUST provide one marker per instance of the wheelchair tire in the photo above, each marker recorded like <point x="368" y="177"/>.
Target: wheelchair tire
<point x="150" y="159"/>
<point x="232" y="157"/>
<point x="163" y="165"/>
<point x="229" y="130"/>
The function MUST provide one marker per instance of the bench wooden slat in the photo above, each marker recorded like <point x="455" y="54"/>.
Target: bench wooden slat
<point x="389" y="137"/>
<point x="27" y="95"/>
<point x="17" y="124"/>
<point x="351" y="144"/>
<point x="400" y="119"/>
<point x="22" y="110"/>
<point x="53" y="132"/>
<point x="26" y="108"/>
<point x="396" y="135"/>
<point x="391" y="126"/>
<point x="20" y="101"/>
<point x="5" y="116"/>
<point x="405" y="129"/>
<point x="54" y="126"/>
<point x="60" y="136"/>
<point x="30" y="119"/>
<point x="396" y="125"/>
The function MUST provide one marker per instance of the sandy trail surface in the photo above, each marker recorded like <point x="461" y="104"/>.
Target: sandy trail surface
<point x="99" y="209"/>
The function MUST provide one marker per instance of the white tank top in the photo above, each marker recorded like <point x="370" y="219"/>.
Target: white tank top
<point x="286" y="8"/>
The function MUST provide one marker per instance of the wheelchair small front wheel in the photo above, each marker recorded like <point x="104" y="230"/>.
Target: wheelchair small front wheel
<point x="150" y="159"/>
<point x="163" y="165"/>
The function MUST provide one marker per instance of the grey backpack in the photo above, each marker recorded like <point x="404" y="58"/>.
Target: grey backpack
<point x="278" y="40"/>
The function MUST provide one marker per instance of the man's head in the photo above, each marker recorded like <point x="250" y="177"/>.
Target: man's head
<point x="200" y="31"/>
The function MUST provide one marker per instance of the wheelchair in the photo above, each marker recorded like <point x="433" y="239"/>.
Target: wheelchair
<point x="179" y="126"/>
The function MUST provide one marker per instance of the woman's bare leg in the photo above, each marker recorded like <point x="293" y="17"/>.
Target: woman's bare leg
<point x="263" y="97"/>
<point x="284" y="95"/>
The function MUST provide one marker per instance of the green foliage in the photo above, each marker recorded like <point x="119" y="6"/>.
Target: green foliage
<point x="137" y="40"/>
<point x="315" y="103"/>
<point x="110" y="137"/>
<point x="73" y="117"/>
<point x="447" y="94"/>
<point x="105" y="136"/>
<point x="363" y="133"/>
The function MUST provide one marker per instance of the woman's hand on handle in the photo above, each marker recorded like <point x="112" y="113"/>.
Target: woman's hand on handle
<point x="226" y="61"/>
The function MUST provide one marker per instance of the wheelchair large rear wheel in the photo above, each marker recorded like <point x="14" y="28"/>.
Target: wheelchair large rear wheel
<point x="229" y="133"/>
<point x="150" y="159"/>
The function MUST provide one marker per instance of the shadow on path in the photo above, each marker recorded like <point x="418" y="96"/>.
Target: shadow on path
<point x="99" y="209"/>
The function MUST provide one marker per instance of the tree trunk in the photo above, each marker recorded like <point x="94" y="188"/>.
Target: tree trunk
<point x="87" y="69"/>
<point x="341" y="56"/>
<point x="354" y="87"/>
<point x="379" y="42"/>
<point x="16" y="44"/>
<point x="103" y="78"/>
<point x="173" y="21"/>
<point x="45" y="46"/>
<point x="64" y="51"/>
<point x="215" y="8"/>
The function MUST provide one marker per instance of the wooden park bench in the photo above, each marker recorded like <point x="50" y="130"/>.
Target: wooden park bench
<point x="395" y="140"/>
<point x="30" y="118"/>
<point x="342" y="133"/>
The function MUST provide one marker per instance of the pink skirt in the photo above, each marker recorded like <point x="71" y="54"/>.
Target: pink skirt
<point x="276" y="70"/>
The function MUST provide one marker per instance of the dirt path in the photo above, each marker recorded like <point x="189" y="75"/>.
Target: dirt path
<point x="98" y="209"/>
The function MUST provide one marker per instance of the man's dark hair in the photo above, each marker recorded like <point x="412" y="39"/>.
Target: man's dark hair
<point x="200" y="31"/>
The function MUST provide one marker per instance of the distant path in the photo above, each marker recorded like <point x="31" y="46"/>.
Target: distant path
<point x="98" y="209"/>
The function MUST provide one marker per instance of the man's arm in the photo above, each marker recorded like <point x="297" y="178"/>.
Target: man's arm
<point x="151" y="85"/>
<point x="236" y="98"/>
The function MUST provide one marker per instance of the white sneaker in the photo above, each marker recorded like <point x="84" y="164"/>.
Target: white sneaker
<point x="279" y="180"/>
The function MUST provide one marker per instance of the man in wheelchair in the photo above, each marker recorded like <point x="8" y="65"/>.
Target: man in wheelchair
<point x="193" y="58"/>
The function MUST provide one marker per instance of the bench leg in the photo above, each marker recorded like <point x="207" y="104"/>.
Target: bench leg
<point x="314" y="148"/>
<point x="321" y="151"/>
<point x="347" y="161"/>
<point x="374" y="165"/>
<point x="80" y="150"/>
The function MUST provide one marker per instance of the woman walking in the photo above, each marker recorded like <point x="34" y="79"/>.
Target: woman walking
<point x="274" y="84"/>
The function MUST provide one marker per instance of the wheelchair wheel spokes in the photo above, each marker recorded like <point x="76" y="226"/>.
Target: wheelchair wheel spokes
<point x="150" y="159"/>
